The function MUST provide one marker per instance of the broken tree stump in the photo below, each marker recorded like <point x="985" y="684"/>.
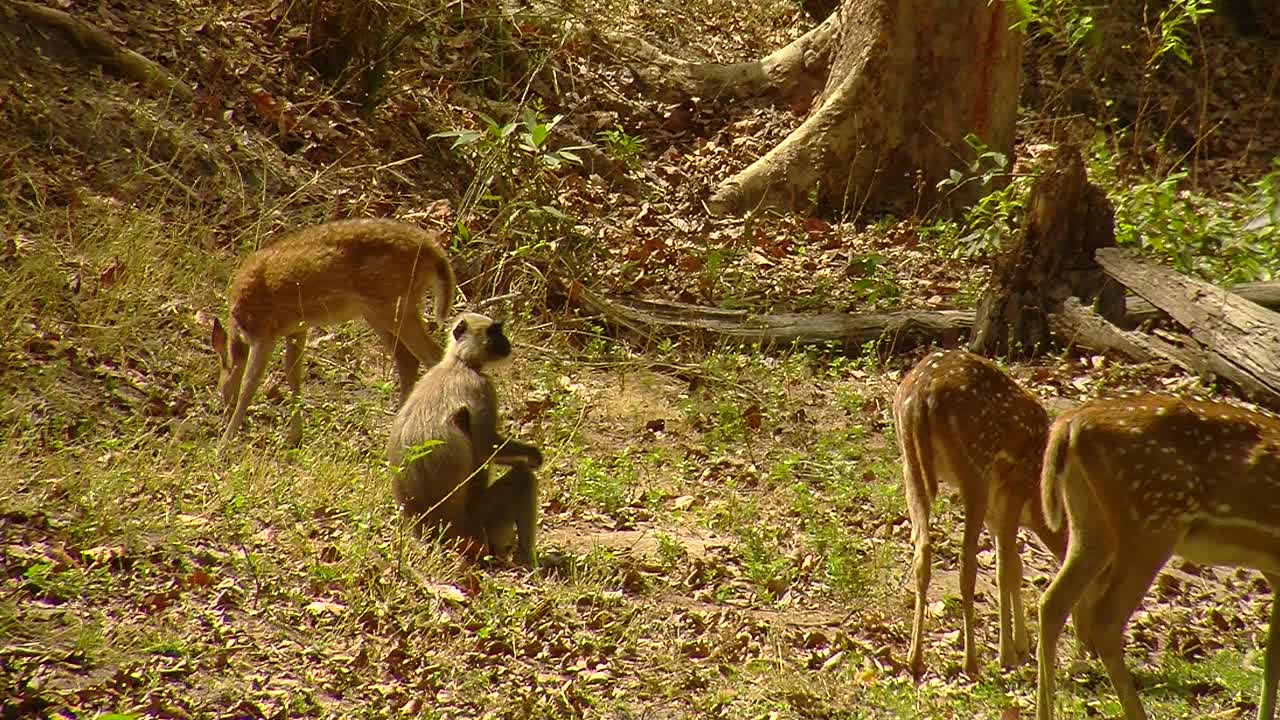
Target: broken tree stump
<point x="1067" y="219"/>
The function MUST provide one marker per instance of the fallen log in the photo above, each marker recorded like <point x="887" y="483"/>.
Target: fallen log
<point x="895" y="331"/>
<point x="1266" y="294"/>
<point x="657" y="318"/>
<point x="1243" y="337"/>
<point x="1075" y="325"/>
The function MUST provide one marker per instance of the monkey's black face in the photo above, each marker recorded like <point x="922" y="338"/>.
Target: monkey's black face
<point x="479" y="341"/>
<point x="496" y="342"/>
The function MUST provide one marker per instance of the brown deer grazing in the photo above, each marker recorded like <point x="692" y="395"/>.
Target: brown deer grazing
<point x="326" y="274"/>
<point x="962" y="421"/>
<point x="1140" y="479"/>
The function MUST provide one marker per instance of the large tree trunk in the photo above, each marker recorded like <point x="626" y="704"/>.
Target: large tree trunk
<point x="909" y="80"/>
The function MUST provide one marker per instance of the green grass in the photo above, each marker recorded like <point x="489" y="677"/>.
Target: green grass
<point x="142" y="565"/>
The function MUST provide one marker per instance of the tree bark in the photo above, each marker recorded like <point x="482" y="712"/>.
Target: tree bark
<point x="909" y="80"/>
<point x="1066" y="220"/>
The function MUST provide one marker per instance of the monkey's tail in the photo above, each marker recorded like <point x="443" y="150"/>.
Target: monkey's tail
<point x="1055" y="468"/>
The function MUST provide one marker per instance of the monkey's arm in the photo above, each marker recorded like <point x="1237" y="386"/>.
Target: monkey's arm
<point x="494" y="447"/>
<point x="515" y="453"/>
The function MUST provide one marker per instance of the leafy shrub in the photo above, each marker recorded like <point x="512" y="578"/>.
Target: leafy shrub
<point x="1229" y="241"/>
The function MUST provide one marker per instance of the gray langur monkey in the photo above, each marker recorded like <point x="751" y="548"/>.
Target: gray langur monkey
<point x="445" y="437"/>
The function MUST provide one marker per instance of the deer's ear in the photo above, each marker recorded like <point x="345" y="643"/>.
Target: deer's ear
<point x="459" y="329"/>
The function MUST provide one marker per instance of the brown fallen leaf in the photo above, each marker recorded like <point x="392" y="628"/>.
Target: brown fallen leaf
<point x="324" y="607"/>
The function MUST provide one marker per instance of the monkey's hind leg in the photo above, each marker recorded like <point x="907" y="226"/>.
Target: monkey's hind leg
<point x="510" y="500"/>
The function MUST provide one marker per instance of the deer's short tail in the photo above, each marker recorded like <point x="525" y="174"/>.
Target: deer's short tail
<point x="914" y="428"/>
<point x="443" y="285"/>
<point x="1055" y="467"/>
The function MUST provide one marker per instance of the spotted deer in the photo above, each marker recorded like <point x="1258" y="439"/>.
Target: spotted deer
<point x="323" y="275"/>
<point x="1138" y="480"/>
<point x="962" y="421"/>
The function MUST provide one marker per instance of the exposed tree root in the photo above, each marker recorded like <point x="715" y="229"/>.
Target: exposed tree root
<point x="106" y="50"/>
<point x="793" y="74"/>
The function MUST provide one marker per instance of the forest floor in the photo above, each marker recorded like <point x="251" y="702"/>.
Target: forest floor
<point x="723" y="526"/>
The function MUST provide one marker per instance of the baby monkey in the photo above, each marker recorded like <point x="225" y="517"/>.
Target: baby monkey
<point x="445" y="437"/>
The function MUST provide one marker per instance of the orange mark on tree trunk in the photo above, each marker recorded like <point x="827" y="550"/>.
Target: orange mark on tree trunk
<point x="988" y="48"/>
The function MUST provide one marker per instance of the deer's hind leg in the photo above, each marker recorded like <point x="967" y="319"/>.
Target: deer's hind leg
<point x="255" y="368"/>
<point x="294" y="347"/>
<point x="405" y="337"/>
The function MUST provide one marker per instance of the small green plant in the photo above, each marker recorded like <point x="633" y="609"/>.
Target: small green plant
<point x="670" y="552"/>
<point x="600" y="344"/>
<point x="1174" y="20"/>
<point x="626" y="149"/>
<point x="987" y="168"/>
<point x="843" y="558"/>
<point x="507" y="155"/>
<point x="516" y="168"/>
<point x="607" y="485"/>
<point x="850" y="400"/>
<point x="1067" y="22"/>
<point x="46" y="580"/>
<point x="874" y="278"/>
<point x="1216" y="240"/>
<point x="771" y="573"/>
<point x="868" y="360"/>
<point x="994" y="216"/>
